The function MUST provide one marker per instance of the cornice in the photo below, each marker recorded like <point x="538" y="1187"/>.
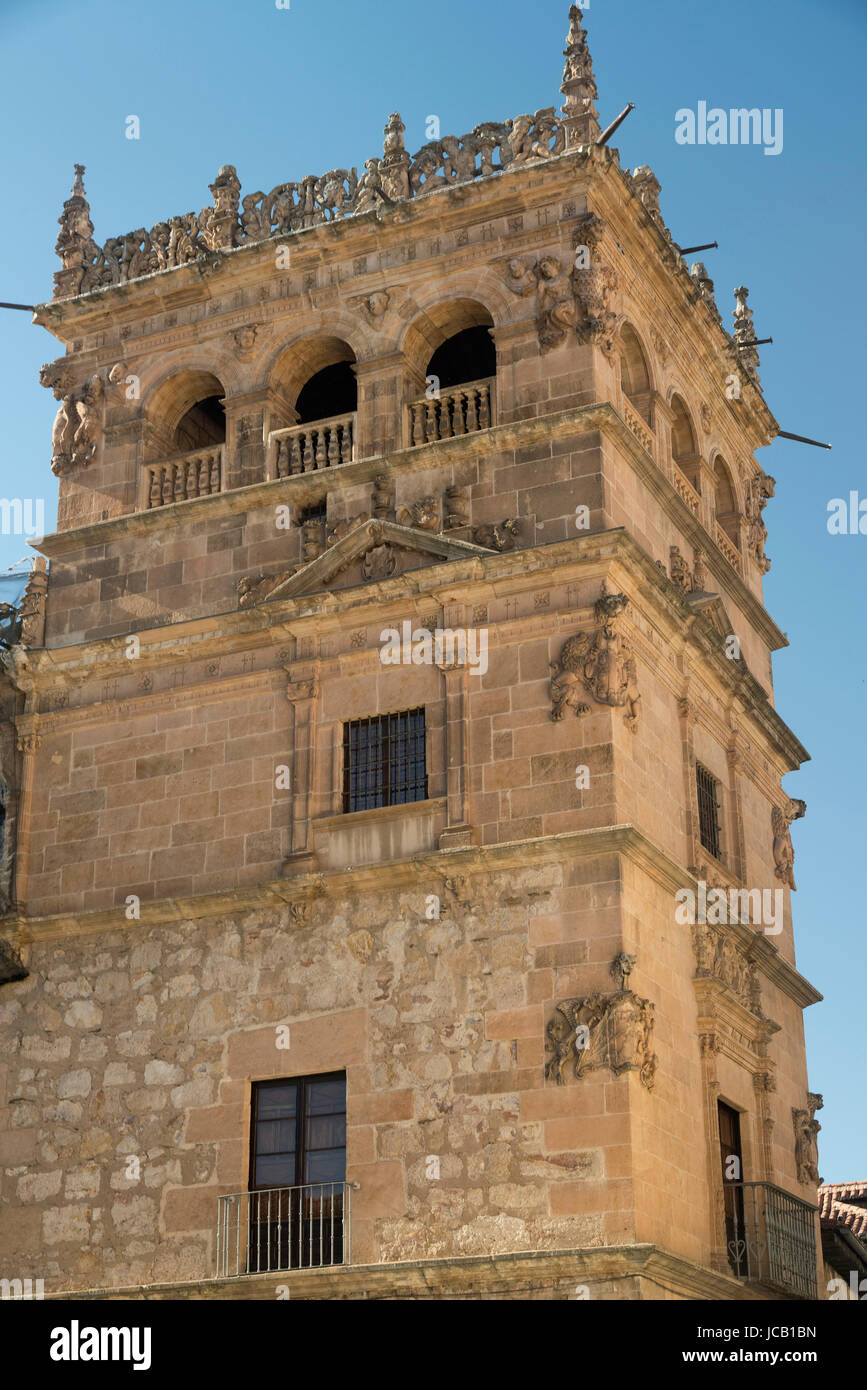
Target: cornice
<point x="510" y="191"/>
<point x="421" y="870"/>
<point x="472" y="580"/>
<point x="600" y="417"/>
<point x="457" y="1277"/>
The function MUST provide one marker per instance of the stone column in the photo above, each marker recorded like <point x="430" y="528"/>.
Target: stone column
<point x="455" y="725"/>
<point x="737" y="860"/>
<point x="764" y="1084"/>
<point x="386" y="386"/>
<point x="710" y="1044"/>
<point x="302" y="692"/>
<point x="249" y="419"/>
<point x="29" y="744"/>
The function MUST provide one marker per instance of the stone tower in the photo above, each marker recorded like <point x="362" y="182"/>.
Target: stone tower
<point x="396" y="870"/>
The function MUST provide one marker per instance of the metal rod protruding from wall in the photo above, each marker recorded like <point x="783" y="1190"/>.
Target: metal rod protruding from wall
<point x="606" y="134"/>
<point x="802" y="439"/>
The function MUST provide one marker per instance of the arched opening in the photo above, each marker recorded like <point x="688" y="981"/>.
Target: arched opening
<point x="684" y="449"/>
<point x="316" y="381"/>
<point x="329" y="392"/>
<point x="451" y="347"/>
<point x="634" y="374"/>
<point x="466" y="356"/>
<point x="725" y="503"/>
<point x="186" y="413"/>
<point x="204" y="424"/>
<point x="186" y="432"/>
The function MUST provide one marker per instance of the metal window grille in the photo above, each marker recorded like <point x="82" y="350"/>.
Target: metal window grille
<point x="708" y="810"/>
<point x="317" y="511"/>
<point x="384" y="760"/>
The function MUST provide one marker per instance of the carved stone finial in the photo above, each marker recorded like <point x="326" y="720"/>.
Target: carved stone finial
<point x="75" y="245"/>
<point x="648" y="188"/>
<point x="580" y="117"/>
<point x="395" y="160"/>
<point x="220" y="226"/>
<point x="744" y="332"/>
<point x="698" y="271"/>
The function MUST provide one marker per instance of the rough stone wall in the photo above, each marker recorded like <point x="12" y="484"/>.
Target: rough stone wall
<point x="142" y="1044"/>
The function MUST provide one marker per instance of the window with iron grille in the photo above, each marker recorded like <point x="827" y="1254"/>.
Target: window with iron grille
<point x="708" y="810"/>
<point x="317" y="511"/>
<point x="384" y="760"/>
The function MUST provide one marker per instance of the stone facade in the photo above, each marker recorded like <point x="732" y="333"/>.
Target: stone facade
<point x="185" y="882"/>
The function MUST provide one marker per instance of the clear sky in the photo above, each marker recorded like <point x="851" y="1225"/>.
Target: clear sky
<point x="282" y="93"/>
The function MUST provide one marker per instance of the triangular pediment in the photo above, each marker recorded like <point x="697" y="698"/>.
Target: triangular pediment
<point x="369" y="536"/>
<point x="711" y="606"/>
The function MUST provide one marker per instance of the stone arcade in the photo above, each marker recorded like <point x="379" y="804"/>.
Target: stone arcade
<point x="363" y="978"/>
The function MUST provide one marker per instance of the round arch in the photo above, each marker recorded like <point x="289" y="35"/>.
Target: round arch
<point x="295" y="364"/>
<point x="635" y="377"/>
<point x="436" y="324"/>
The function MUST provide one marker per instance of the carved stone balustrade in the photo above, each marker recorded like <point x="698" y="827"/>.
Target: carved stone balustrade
<point x="198" y="474"/>
<point x="640" y="428"/>
<point x="687" y="491"/>
<point x="308" y="448"/>
<point x="461" y="410"/>
<point x="728" y="548"/>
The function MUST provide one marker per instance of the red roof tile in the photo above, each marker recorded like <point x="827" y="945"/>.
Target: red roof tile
<point x="840" y="1204"/>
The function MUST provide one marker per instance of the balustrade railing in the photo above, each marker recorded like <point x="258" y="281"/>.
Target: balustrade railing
<point x="460" y="410"/>
<point x="308" y="448"/>
<point x="771" y="1237"/>
<point x="179" y="480"/>
<point x="305" y="1227"/>
<point x="687" y="491"/>
<point x="640" y="428"/>
<point x="728" y="548"/>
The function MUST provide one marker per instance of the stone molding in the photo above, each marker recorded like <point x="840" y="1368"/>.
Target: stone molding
<point x="423" y="870"/>
<point x="463" y="1276"/>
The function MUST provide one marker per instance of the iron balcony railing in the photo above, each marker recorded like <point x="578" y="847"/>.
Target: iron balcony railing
<point x="771" y="1237"/>
<point x="283" y="1228"/>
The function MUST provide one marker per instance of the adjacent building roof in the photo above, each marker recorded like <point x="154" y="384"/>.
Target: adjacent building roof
<point x="844" y="1204"/>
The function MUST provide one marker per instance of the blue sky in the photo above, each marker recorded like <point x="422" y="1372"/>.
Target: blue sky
<point x="283" y="93"/>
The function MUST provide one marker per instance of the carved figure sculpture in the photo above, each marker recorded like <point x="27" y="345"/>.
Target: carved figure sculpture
<point x="760" y="489"/>
<point x="680" y="574"/>
<point x="807" y="1129"/>
<point x="556" y="300"/>
<point x="89" y="409"/>
<point x="379" y="563"/>
<point x="31" y="609"/>
<point x="783" y="849"/>
<point x="371" y="194"/>
<point x="498" y="537"/>
<point x="424" y="514"/>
